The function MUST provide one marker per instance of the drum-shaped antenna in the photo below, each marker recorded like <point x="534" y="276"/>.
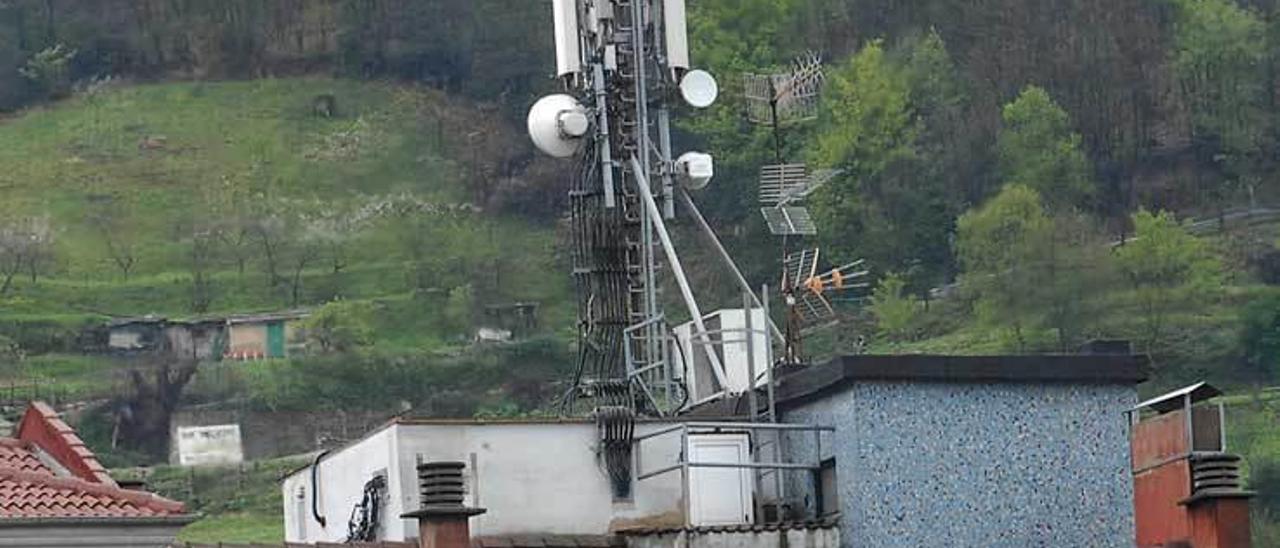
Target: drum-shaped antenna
<point x="557" y="124"/>
<point x="699" y="89"/>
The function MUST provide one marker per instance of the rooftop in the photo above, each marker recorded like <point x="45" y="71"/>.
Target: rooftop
<point x="46" y="472"/>
<point x="1047" y="368"/>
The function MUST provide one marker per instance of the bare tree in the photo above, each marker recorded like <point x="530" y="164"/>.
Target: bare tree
<point x="26" y="245"/>
<point x="112" y="219"/>
<point x="201" y="258"/>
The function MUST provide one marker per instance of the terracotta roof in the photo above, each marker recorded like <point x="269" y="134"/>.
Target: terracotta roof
<point x="43" y="426"/>
<point x="48" y="472"/>
<point x="21" y="455"/>
<point x="41" y="495"/>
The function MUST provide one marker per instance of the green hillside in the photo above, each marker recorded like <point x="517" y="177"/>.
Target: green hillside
<point x="181" y="199"/>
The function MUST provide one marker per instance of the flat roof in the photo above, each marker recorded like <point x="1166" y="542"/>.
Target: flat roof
<point x="1174" y="400"/>
<point x="409" y="420"/>
<point x="815" y="381"/>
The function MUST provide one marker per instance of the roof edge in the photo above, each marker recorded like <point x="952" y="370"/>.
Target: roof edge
<point x="812" y="382"/>
<point x="175" y="520"/>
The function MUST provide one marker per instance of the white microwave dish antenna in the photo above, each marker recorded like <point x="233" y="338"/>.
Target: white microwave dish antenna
<point x="557" y="125"/>
<point x="699" y="89"/>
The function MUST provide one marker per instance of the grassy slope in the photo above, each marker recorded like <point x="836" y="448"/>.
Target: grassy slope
<point x="260" y="139"/>
<point x="236" y="503"/>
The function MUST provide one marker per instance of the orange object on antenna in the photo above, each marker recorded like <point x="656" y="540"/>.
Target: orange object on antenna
<point x="814" y="284"/>
<point x="837" y="279"/>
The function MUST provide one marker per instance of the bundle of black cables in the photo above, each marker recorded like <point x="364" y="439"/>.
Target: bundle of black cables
<point x="363" y="525"/>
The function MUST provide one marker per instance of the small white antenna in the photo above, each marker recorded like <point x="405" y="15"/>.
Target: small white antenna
<point x="699" y="89"/>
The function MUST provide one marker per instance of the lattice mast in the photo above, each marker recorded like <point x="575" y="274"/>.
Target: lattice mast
<point x="623" y="63"/>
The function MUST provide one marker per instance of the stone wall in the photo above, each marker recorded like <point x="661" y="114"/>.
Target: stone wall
<point x="270" y="434"/>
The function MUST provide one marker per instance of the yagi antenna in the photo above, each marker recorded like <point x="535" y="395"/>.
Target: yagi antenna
<point x="786" y="97"/>
<point x="777" y="100"/>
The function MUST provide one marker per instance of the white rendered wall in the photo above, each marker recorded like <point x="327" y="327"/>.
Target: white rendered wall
<point x="540" y="477"/>
<point x="532" y="478"/>
<point x="341" y="480"/>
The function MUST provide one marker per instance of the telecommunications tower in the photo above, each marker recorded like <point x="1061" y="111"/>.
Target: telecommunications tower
<point x="624" y="65"/>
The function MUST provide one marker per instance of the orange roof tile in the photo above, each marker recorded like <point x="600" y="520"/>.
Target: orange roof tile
<point x="20" y="455"/>
<point x="39" y="495"/>
<point x="48" y="472"/>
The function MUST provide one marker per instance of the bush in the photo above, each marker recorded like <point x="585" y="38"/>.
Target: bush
<point x="1260" y="335"/>
<point x="340" y="326"/>
<point x="515" y="378"/>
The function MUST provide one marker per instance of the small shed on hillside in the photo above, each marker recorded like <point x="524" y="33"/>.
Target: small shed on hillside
<point x="136" y="334"/>
<point x="259" y="336"/>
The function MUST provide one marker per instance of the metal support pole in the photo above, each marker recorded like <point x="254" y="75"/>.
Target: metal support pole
<point x="664" y="148"/>
<point x="773" y="409"/>
<point x="1222" y="427"/>
<point x="646" y="194"/>
<point x="728" y="260"/>
<point x="684" y="472"/>
<point x="752" y="437"/>
<point x="602" y="141"/>
<point x="1186" y="410"/>
<point x="751" y="356"/>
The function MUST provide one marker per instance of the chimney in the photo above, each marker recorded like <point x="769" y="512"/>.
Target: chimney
<point x="443" y="521"/>
<point x="1218" y="506"/>
<point x="1187" y="489"/>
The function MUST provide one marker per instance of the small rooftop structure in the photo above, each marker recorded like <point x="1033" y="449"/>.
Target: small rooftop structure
<point x="1027" y="449"/>
<point x="1188" y="488"/>
<point x="1179" y="399"/>
<point x="54" y="492"/>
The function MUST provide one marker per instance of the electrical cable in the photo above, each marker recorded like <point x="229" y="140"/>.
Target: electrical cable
<point x="315" y="494"/>
<point x="366" y="515"/>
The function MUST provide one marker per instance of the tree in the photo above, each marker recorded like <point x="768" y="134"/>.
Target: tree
<point x="201" y="258"/>
<point x="1260" y="335"/>
<point x="893" y="308"/>
<point x="114" y="219"/>
<point x="26" y="245"/>
<point x="730" y="39"/>
<point x="144" y="415"/>
<point x="1169" y="269"/>
<point x="49" y="70"/>
<point x="341" y="326"/>
<point x="459" y="309"/>
<point x="1220" y="50"/>
<point x="998" y="246"/>
<point x="889" y="123"/>
<point x="1037" y="148"/>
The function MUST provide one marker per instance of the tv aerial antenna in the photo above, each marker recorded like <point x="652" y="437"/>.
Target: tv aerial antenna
<point x="779" y="100"/>
<point x="785" y="98"/>
<point x="813" y="289"/>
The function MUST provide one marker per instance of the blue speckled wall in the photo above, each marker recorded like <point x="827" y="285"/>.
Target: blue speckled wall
<point x="1018" y="465"/>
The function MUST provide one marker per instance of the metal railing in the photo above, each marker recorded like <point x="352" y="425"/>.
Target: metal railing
<point x="684" y="464"/>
